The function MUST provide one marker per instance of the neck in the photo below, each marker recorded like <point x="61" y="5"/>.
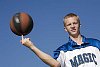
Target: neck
<point x="77" y="39"/>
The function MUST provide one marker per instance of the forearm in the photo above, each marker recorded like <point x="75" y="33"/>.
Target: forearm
<point x="45" y="57"/>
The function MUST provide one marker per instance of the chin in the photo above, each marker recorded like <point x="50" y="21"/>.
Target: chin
<point x="74" y="34"/>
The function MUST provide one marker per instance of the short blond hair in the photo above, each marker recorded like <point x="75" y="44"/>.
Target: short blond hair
<point x="71" y="15"/>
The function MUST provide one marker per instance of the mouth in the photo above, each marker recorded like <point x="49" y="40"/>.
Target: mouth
<point x="73" y="30"/>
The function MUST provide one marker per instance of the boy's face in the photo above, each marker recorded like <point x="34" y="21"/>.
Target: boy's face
<point x="72" y="26"/>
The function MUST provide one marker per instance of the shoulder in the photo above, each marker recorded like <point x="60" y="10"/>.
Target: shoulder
<point x="64" y="48"/>
<point x="94" y="42"/>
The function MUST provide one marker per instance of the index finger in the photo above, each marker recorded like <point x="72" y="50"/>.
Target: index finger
<point x="22" y="37"/>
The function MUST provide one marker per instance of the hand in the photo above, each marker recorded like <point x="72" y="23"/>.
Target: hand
<point x="26" y="42"/>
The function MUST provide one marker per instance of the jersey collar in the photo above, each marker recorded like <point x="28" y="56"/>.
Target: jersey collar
<point x="73" y="44"/>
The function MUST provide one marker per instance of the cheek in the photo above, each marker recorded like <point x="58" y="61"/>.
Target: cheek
<point x="77" y="26"/>
<point x="67" y="28"/>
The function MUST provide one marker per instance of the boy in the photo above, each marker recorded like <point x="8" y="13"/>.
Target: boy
<point x="79" y="51"/>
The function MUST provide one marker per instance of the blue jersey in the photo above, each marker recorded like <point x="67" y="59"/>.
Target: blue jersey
<point x="84" y="55"/>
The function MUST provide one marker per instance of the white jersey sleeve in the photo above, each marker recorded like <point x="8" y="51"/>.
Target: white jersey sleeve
<point x="61" y="58"/>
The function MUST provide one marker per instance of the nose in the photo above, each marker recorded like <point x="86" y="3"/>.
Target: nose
<point x="72" y="25"/>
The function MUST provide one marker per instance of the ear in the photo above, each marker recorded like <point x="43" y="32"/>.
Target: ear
<point x="65" y="29"/>
<point x="80" y="25"/>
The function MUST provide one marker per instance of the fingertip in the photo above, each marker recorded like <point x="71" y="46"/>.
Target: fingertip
<point x="22" y="37"/>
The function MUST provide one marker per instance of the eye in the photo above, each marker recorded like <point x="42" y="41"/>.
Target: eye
<point x="75" y="23"/>
<point x="68" y="24"/>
